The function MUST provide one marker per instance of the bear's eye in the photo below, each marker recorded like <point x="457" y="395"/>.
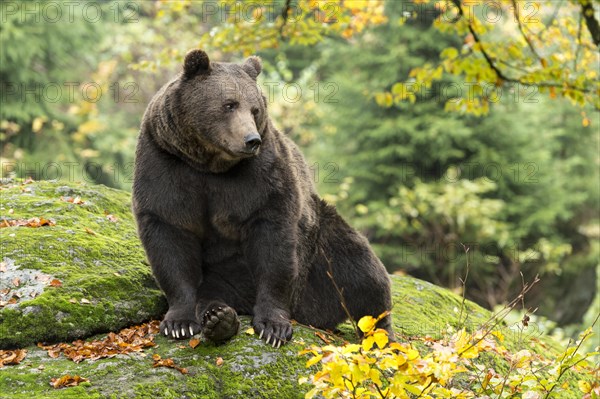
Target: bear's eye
<point x="231" y="106"/>
<point x="255" y="111"/>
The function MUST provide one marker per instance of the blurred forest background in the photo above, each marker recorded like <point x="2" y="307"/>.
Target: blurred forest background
<point x="470" y="141"/>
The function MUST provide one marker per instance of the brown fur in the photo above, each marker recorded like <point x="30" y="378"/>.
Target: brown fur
<point x="226" y="227"/>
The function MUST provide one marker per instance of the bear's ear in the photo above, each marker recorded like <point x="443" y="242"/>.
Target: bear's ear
<point x="196" y="63"/>
<point x="252" y="66"/>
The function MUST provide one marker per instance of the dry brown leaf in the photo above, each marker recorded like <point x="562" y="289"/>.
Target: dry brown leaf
<point x="33" y="222"/>
<point x="219" y="362"/>
<point x="90" y="231"/>
<point x="42" y="277"/>
<point x="194" y="342"/>
<point x="16" y="281"/>
<point x="128" y="340"/>
<point x="74" y="200"/>
<point x="2" y="267"/>
<point x="112" y="218"/>
<point x="67" y="381"/>
<point x="56" y="283"/>
<point x="323" y="337"/>
<point x="158" y="362"/>
<point x="12" y="357"/>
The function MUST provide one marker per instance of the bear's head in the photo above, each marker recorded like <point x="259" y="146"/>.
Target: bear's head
<point x="218" y="111"/>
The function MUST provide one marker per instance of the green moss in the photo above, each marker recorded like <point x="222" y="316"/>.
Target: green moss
<point x="108" y="269"/>
<point x="98" y="260"/>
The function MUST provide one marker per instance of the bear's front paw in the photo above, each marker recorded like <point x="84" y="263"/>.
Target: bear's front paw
<point x="220" y="323"/>
<point x="179" y="329"/>
<point x="275" y="331"/>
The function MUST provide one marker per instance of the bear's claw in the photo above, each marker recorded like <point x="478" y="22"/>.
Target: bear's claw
<point x="220" y="323"/>
<point x="179" y="329"/>
<point x="275" y="334"/>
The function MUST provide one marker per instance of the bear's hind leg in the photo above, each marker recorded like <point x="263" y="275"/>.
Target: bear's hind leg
<point x="218" y="321"/>
<point x="363" y="284"/>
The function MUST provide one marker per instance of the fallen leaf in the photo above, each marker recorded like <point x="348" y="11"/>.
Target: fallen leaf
<point x="42" y="278"/>
<point x="74" y="200"/>
<point x="67" y="381"/>
<point x="194" y="342"/>
<point x="219" y="362"/>
<point x="323" y="337"/>
<point x="250" y="331"/>
<point x="2" y="267"/>
<point x="16" y="281"/>
<point x="73" y="300"/>
<point x="90" y="231"/>
<point x="128" y="340"/>
<point x="158" y="362"/>
<point x="56" y="283"/>
<point x="85" y="301"/>
<point x="11" y="211"/>
<point x="112" y="218"/>
<point x="12" y="357"/>
<point x="32" y="222"/>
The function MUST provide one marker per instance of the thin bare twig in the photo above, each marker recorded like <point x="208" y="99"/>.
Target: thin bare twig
<point x="464" y="287"/>
<point x="500" y="315"/>
<point x="564" y="370"/>
<point x="340" y="293"/>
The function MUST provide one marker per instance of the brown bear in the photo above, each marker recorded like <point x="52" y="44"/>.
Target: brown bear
<point x="230" y="219"/>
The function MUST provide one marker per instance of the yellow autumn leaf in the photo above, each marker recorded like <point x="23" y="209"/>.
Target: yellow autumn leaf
<point x="381" y="338"/>
<point x="250" y="331"/>
<point x="314" y="360"/>
<point x="367" y="324"/>
<point x="367" y="343"/>
<point x="584" y="386"/>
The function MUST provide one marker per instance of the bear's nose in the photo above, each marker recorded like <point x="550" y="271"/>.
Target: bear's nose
<point x="252" y="141"/>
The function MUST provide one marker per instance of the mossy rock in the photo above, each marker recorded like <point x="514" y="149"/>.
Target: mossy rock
<point x="98" y="259"/>
<point x="83" y="273"/>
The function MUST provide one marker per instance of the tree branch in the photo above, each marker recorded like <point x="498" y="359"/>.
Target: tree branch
<point x="587" y="10"/>
<point x="285" y="15"/>
<point x="499" y="73"/>
<point x="520" y="25"/>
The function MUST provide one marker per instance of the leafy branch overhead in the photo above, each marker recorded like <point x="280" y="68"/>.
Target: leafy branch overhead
<point x="540" y="45"/>
<point x="544" y="45"/>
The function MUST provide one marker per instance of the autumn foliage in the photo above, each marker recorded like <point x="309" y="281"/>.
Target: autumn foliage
<point x="128" y="340"/>
<point x="451" y="367"/>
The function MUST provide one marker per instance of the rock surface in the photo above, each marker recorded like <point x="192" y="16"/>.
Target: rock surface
<point x="79" y="270"/>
